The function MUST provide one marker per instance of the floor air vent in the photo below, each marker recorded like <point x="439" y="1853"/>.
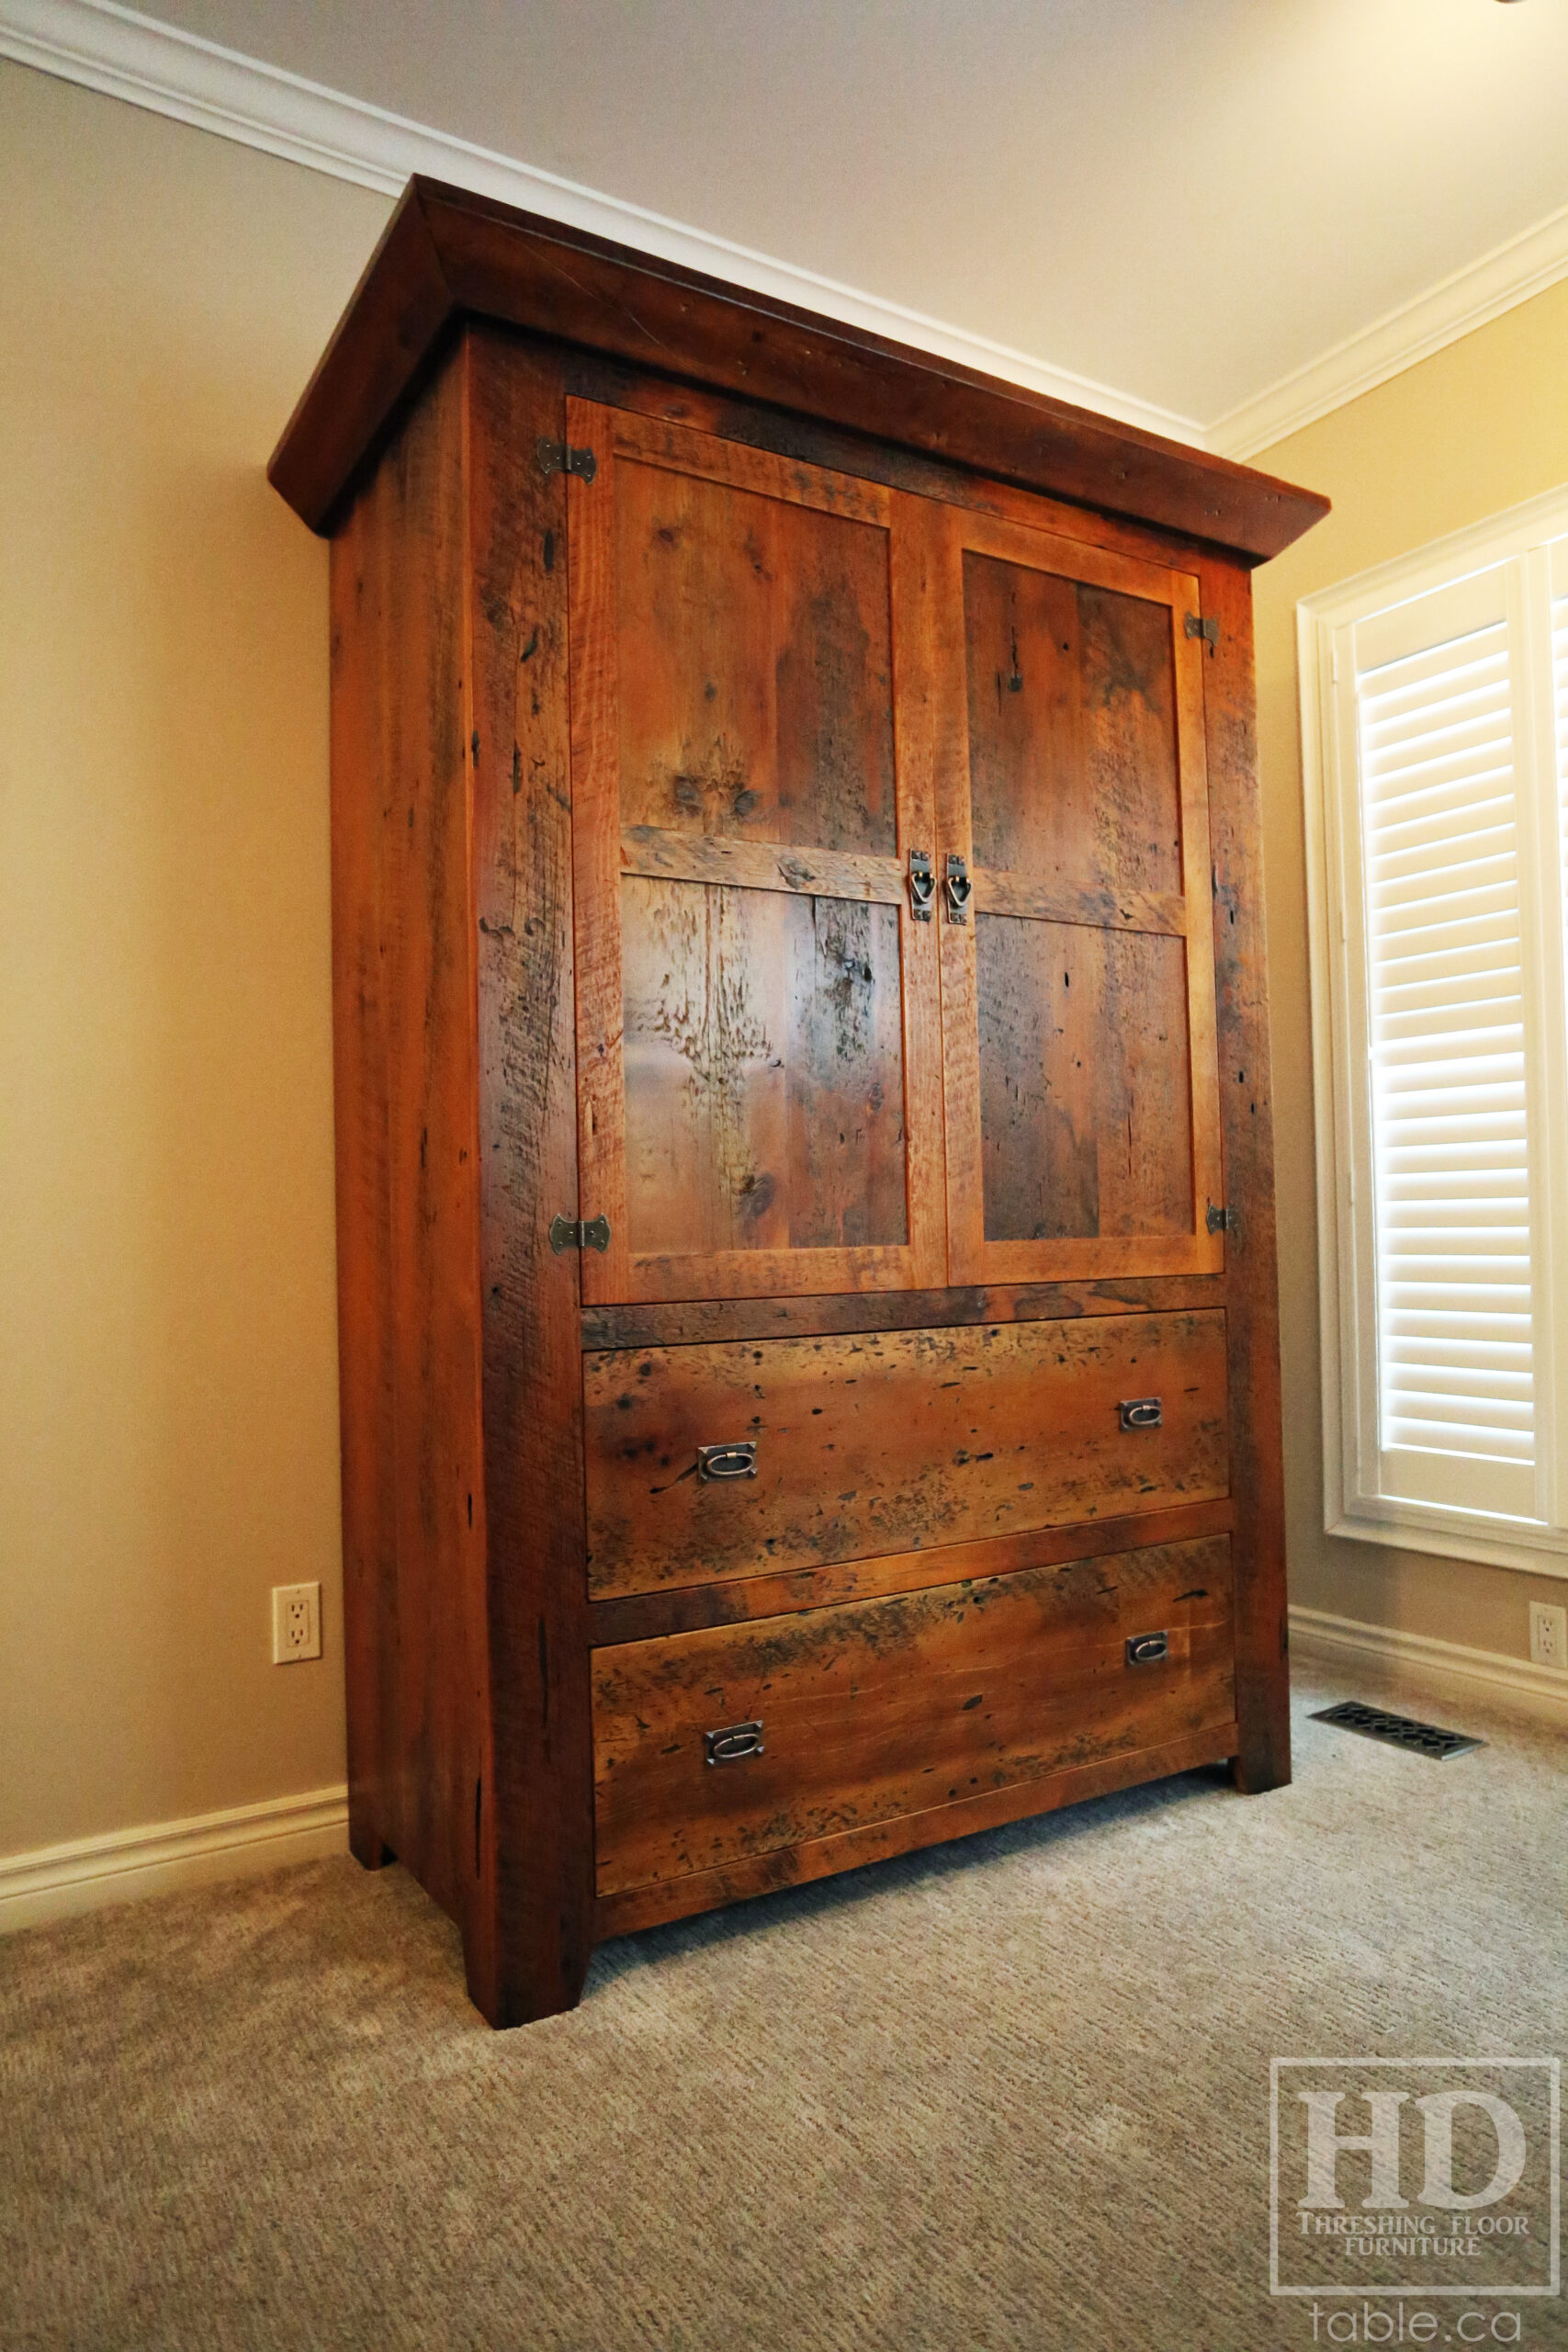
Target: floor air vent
<point x="1400" y="1731"/>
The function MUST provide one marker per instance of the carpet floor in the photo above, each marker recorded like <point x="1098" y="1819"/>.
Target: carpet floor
<point x="1012" y="2093"/>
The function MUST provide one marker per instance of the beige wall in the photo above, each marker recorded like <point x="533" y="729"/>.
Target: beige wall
<point x="168" y="1418"/>
<point x="1474" y="429"/>
<point x="168" y="1403"/>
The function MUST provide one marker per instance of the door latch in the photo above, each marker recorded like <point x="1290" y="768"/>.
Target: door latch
<point x="923" y="885"/>
<point x="568" y="1233"/>
<point x="960" y="889"/>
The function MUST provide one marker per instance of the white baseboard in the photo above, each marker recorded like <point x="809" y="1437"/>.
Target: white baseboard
<point x="1448" y="1667"/>
<point x="57" y="1881"/>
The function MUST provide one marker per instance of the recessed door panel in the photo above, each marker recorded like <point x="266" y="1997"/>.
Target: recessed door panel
<point x="759" y="1029"/>
<point x="764" y="1070"/>
<point x="1085" y="1088"/>
<point x="754" y="663"/>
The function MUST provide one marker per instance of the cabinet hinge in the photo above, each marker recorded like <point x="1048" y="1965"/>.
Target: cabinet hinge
<point x="1218" y="1220"/>
<point x="1208" y="630"/>
<point x="569" y="1233"/>
<point x="560" y="457"/>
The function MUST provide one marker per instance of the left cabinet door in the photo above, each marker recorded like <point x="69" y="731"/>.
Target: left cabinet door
<point x="759" y="1046"/>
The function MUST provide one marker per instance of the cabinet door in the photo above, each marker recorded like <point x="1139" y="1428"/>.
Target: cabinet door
<point x="759" y="1049"/>
<point x="1081" y="1089"/>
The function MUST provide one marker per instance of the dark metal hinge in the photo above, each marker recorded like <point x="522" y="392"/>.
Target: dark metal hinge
<point x="568" y="1233"/>
<point x="1208" y="630"/>
<point x="560" y="457"/>
<point x="1218" y="1220"/>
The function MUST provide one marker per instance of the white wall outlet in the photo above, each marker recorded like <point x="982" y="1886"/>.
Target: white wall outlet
<point x="1549" y="1635"/>
<point x="296" y="1623"/>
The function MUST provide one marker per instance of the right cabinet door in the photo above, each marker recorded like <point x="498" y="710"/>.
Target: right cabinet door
<point x="1081" y="1086"/>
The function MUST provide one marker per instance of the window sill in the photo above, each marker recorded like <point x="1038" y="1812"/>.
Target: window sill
<point x="1542" y="1556"/>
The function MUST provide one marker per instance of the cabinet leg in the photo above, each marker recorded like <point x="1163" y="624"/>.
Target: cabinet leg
<point x="1263" y="1761"/>
<point x="366" y="1843"/>
<point x="1255" y="1776"/>
<point x="544" y="1984"/>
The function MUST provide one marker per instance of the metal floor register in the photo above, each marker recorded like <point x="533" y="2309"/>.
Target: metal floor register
<point x="1400" y="1731"/>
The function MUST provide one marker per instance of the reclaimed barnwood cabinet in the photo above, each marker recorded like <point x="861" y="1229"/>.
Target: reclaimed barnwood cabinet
<point x="809" y="1381"/>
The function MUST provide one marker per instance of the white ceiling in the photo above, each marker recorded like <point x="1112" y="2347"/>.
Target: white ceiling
<point x="1182" y="201"/>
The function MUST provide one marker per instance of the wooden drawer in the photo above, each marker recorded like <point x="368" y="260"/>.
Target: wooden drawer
<point x="899" y="1705"/>
<point x="892" y="1442"/>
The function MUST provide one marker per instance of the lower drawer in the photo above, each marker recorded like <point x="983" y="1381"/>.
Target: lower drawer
<point x="877" y="1708"/>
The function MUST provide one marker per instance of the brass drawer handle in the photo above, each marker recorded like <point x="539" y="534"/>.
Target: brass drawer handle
<point x="733" y="1745"/>
<point x="1149" y="1649"/>
<point x="720" y="1461"/>
<point x="960" y="890"/>
<point x="1140" y="1413"/>
<point x="923" y="885"/>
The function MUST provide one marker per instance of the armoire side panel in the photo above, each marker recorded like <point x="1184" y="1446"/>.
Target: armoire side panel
<point x="1246" y="1128"/>
<point x="535" y="1824"/>
<point x="364" y="1173"/>
<point x="408" y="1201"/>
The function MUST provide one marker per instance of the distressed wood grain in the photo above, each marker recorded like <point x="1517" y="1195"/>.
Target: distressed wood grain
<point x="533" y="1823"/>
<point x="639" y="1617"/>
<point x="890" y="1706"/>
<point x="447" y="253"/>
<point x="891" y="1441"/>
<point x="656" y="854"/>
<point x="759" y="1101"/>
<point x="903" y="1833"/>
<point x="1252" y="1321"/>
<point x="691" y="1322"/>
<point x="409" y="1232"/>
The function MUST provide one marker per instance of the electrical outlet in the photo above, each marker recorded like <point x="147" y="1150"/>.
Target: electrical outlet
<point x="296" y="1623"/>
<point x="1549" y="1635"/>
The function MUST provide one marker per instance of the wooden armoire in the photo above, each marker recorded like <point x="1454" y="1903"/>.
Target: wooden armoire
<point x="809" y="1373"/>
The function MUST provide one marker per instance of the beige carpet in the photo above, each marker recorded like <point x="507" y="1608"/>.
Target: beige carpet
<point x="1013" y="2093"/>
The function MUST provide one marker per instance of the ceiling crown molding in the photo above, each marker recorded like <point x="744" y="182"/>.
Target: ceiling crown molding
<point x="1508" y="275"/>
<point x="125" y="55"/>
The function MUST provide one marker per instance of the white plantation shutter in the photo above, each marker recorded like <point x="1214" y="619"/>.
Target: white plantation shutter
<point x="1450" y="1155"/>
<point x="1435" y="716"/>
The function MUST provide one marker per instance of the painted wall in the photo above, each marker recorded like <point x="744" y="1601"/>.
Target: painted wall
<point x="1457" y="438"/>
<point x="168" y="1406"/>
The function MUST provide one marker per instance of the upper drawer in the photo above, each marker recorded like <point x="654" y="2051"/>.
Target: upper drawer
<point x="892" y="1442"/>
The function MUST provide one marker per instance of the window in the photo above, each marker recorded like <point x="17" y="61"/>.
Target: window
<point x="1435" y="723"/>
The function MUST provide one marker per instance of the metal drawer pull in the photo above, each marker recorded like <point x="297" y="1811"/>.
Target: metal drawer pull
<point x="735" y="1744"/>
<point x="923" y="885"/>
<point x="960" y="889"/>
<point x="739" y="1461"/>
<point x="1140" y="1413"/>
<point x="1149" y="1649"/>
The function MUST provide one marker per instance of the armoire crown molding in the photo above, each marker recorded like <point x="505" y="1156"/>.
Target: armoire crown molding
<point x="126" y="55"/>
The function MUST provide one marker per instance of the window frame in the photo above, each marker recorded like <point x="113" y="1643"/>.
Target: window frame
<point x="1521" y="541"/>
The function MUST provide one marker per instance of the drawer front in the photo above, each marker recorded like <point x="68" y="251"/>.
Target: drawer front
<point x="891" y="1441"/>
<point x="878" y="1708"/>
